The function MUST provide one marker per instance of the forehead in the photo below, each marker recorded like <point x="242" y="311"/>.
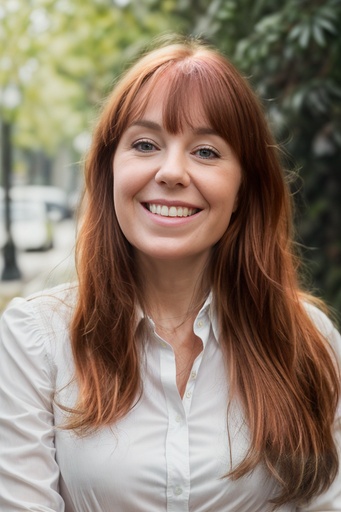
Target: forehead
<point x="175" y="107"/>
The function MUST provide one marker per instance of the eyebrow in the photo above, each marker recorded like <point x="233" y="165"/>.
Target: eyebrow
<point x="147" y="124"/>
<point x="201" y="130"/>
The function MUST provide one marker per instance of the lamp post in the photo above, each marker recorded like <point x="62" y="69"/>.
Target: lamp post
<point x="10" y="269"/>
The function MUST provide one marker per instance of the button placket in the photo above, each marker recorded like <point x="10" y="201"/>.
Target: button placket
<point x="193" y="375"/>
<point x="178" y="418"/>
<point x="176" y="447"/>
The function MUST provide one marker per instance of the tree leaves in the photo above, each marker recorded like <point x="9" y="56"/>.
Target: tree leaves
<point x="62" y="56"/>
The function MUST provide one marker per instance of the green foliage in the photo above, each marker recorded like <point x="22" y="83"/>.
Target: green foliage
<point x="291" y="49"/>
<point x="63" y="55"/>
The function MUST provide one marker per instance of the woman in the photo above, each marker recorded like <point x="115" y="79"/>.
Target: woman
<point x="186" y="370"/>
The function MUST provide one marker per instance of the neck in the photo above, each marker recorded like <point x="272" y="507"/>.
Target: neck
<point x="174" y="291"/>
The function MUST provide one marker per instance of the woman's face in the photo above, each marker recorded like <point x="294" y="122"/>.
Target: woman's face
<point x="174" y="193"/>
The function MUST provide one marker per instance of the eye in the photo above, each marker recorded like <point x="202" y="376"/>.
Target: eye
<point x="145" y="146"/>
<point x="206" y="153"/>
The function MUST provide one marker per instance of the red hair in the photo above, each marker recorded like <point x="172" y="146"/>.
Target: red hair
<point x="280" y="366"/>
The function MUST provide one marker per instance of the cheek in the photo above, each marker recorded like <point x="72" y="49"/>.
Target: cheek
<point x="129" y="178"/>
<point x="124" y="192"/>
<point x="119" y="193"/>
<point x="124" y="184"/>
<point x="123" y="215"/>
<point x="223" y="197"/>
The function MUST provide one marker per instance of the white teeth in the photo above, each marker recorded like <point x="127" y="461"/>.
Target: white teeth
<point x="164" y="211"/>
<point x="172" y="211"/>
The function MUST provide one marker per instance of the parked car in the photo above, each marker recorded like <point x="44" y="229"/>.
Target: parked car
<point x="54" y="197"/>
<point x="31" y="226"/>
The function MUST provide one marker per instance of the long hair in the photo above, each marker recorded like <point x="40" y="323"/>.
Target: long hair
<point x="280" y="367"/>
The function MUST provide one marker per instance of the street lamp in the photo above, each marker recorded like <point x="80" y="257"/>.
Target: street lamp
<point x="9" y="101"/>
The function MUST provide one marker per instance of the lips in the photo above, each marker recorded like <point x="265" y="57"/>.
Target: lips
<point x="171" y="211"/>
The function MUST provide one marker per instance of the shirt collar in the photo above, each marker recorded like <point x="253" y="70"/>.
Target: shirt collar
<point x="207" y="308"/>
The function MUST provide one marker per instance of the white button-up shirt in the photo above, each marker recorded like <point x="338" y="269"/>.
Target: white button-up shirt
<point x="166" y="455"/>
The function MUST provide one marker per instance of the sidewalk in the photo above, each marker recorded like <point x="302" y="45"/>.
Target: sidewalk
<point x="36" y="278"/>
<point x="42" y="270"/>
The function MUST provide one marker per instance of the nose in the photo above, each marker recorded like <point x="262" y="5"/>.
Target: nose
<point x="173" y="170"/>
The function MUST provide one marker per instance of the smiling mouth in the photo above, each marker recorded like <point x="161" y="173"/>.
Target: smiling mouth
<point x="171" y="211"/>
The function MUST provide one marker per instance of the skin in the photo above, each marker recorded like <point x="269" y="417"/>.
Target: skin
<point x="190" y="170"/>
<point x="194" y="169"/>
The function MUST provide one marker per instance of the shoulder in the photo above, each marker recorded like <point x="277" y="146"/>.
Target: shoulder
<point x="326" y="328"/>
<point x="320" y="319"/>
<point x="44" y="308"/>
<point x="38" y="326"/>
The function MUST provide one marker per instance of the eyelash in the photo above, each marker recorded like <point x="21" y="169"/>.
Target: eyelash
<point x="214" y="153"/>
<point x="136" y="144"/>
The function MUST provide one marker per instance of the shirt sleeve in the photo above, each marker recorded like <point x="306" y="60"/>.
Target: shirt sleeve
<point x="29" y="472"/>
<point x="329" y="501"/>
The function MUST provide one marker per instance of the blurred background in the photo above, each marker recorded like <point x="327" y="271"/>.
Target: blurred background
<point x="59" y="59"/>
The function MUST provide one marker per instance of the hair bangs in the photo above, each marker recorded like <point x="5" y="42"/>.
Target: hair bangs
<point x="193" y="94"/>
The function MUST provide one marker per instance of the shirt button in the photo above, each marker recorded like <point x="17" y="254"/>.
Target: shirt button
<point x="163" y="344"/>
<point x="200" y="323"/>
<point x="178" y="418"/>
<point x="177" y="490"/>
<point x="193" y="374"/>
<point x="188" y="394"/>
